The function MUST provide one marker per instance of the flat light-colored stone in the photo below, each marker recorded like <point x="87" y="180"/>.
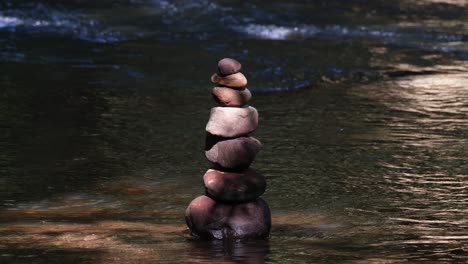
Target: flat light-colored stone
<point x="231" y="154"/>
<point x="226" y="96"/>
<point x="209" y="219"/>
<point x="236" y="80"/>
<point x="232" y="121"/>
<point x="228" y="66"/>
<point x="234" y="187"/>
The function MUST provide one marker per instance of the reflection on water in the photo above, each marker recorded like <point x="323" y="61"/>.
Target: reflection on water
<point x="379" y="174"/>
<point x="363" y="113"/>
<point x="228" y="252"/>
<point x="426" y="176"/>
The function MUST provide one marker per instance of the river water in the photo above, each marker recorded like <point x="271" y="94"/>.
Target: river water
<point x="363" y="115"/>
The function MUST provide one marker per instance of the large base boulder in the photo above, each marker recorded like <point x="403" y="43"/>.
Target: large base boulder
<point x="209" y="219"/>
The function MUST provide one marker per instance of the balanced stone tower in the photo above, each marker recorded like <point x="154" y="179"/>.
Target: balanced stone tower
<point x="232" y="207"/>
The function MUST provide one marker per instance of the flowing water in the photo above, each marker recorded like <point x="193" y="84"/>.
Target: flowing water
<point x="363" y="116"/>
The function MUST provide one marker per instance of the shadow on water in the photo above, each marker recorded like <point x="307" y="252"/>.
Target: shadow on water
<point x="50" y="255"/>
<point x="297" y="237"/>
<point x="60" y="135"/>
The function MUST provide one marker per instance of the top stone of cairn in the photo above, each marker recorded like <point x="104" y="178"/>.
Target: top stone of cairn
<point x="228" y="66"/>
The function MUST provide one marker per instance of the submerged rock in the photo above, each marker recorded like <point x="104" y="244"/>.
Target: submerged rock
<point x="226" y="96"/>
<point x="234" y="187"/>
<point x="209" y="219"/>
<point x="228" y="66"/>
<point x="231" y="154"/>
<point x="236" y="80"/>
<point x="232" y="121"/>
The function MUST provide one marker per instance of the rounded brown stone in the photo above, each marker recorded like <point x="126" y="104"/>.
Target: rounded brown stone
<point x="232" y="121"/>
<point x="226" y="96"/>
<point x="236" y="80"/>
<point x="209" y="219"/>
<point x="231" y="154"/>
<point x="234" y="187"/>
<point x="228" y="66"/>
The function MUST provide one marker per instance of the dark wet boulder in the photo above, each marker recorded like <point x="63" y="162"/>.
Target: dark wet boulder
<point x="234" y="187"/>
<point x="226" y="96"/>
<point x="209" y="219"/>
<point x="232" y="122"/>
<point x="228" y="66"/>
<point x="236" y="80"/>
<point x="232" y="154"/>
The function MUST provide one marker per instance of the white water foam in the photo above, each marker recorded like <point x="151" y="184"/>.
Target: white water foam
<point x="6" y="21"/>
<point x="45" y="19"/>
<point x="78" y="26"/>
<point x="450" y="42"/>
<point x="277" y="32"/>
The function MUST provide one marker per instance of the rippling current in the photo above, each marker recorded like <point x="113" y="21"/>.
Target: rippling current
<point x="363" y="115"/>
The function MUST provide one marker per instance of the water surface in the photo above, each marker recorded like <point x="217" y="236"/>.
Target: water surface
<point x="363" y="116"/>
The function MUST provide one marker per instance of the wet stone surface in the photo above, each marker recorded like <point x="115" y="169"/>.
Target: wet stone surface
<point x="228" y="66"/>
<point x="213" y="220"/>
<point x="236" y="80"/>
<point x="226" y="96"/>
<point x="231" y="154"/>
<point x="232" y="122"/>
<point x="232" y="187"/>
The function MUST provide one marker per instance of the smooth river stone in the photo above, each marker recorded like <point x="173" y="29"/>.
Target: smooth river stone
<point x="232" y="187"/>
<point x="232" y="122"/>
<point x="231" y="154"/>
<point x="236" y="80"/>
<point x="209" y="219"/>
<point x="228" y="66"/>
<point x="226" y="96"/>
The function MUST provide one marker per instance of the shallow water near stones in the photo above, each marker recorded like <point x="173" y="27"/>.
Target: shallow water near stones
<point x="363" y="120"/>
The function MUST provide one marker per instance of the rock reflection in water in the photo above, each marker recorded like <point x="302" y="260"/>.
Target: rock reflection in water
<point x="424" y="127"/>
<point x="249" y="252"/>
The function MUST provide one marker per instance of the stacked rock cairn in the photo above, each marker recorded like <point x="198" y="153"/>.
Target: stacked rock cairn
<point x="232" y="208"/>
